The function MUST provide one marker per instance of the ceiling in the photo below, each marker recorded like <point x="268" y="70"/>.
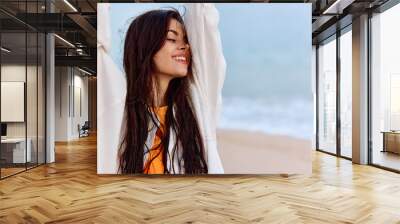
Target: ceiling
<point x="75" y="23"/>
<point x="328" y="16"/>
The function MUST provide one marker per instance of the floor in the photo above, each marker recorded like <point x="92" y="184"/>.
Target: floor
<point x="13" y="169"/>
<point x="70" y="191"/>
<point x="10" y="171"/>
<point x="387" y="159"/>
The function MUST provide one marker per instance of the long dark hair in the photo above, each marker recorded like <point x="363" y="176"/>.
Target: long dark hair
<point x="145" y="37"/>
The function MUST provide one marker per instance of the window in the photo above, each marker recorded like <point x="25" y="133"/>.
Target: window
<point x="346" y="92"/>
<point x="385" y="89"/>
<point x="327" y="95"/>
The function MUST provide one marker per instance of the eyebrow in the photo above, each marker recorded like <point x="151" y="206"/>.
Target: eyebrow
<point x="175" y="32"/>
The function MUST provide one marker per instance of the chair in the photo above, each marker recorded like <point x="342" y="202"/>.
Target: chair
<point x="84" y="130"/>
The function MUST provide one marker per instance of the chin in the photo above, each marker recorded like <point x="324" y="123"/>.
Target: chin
<point x="181" y="73"/>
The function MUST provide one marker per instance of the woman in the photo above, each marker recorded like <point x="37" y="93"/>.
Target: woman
<point x="164" y="129"/>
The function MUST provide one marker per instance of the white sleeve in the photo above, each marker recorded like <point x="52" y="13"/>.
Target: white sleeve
<point x="111" y="90"/>
<point x="201" y="22"/>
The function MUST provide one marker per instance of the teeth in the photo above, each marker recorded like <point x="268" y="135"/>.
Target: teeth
<point x="179" y="58"/>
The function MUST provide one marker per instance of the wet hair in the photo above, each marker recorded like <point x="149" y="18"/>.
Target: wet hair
<point x="146" y="35"/>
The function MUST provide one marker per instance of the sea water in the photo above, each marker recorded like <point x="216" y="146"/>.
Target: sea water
<point x="290" y="117"/>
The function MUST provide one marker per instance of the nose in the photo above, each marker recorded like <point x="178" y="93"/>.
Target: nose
<point x="184" y="46"/>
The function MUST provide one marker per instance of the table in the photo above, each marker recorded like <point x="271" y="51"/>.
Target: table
<point x="391" y="141"/>
<point x="15" y="148"/>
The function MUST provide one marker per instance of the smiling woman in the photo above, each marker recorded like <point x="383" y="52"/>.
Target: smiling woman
<point x="172" y="60"/>
<point x="176" y="47"/>
<point x="165" y="129"/>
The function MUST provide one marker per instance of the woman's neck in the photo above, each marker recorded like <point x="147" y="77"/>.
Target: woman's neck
<point x="161" y="89"/>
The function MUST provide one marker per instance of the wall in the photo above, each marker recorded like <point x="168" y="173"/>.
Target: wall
<point x="33" y="127"/>
<point x="11" y="73"/>
<point x="71" y="102"/>
<point x="92" y="108"/>
<point x="62" y="80"/>
<point x="17" y="73"/>
<point x="80" y="109"/>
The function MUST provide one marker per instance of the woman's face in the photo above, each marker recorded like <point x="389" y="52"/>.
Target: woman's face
<point x="173" y="58"/>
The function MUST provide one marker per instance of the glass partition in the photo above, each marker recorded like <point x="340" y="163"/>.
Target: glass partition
<point x="346" y="92"/>
<point x="385" y="89"/>
<point x="327" y="95"/>
<point x="31" y="100"/>
<point x="22" y="88"/>
<point x="14" y="154"/>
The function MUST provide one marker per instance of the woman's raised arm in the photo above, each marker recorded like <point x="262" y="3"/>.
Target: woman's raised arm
<point x="201" y="22"/>
<point x="209" y="65"/>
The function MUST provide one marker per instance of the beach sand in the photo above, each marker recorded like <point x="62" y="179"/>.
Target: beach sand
<point x="245" y="152"/>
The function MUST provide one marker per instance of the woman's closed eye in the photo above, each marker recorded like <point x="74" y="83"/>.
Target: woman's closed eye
<point x="172" y="40"/>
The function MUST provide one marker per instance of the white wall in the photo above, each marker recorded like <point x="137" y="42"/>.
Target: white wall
<point x="70" y="83"/>
<point x="15" y="72"/>
<point x="33" y="127"/>
<point x="62" y="80"/>
<point x="80" y="83"/>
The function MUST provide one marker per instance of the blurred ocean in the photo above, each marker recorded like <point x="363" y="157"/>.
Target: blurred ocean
<point x="283" y="117"/>
<point x="268" y="77"/>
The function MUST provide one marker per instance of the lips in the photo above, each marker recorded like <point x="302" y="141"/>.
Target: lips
<point x="180" y="59"/>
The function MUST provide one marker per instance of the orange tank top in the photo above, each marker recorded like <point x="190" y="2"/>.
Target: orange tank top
<point x="154" y="163"/>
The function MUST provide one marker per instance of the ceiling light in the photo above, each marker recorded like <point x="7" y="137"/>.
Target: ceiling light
<point x="64" y="40"/>
<point x="338" y="6"/>
<point x="70" y="5"/>
<point x="5" y="50"/>
<point x="84" y="71"/>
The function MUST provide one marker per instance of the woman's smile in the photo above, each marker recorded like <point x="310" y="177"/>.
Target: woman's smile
<point x="181" y="59"/>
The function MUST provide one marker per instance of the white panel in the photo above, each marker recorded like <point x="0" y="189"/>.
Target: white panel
<point x="77" y="112"/>
<point x="77" y="102"/>
<point x="12" y="101"/>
